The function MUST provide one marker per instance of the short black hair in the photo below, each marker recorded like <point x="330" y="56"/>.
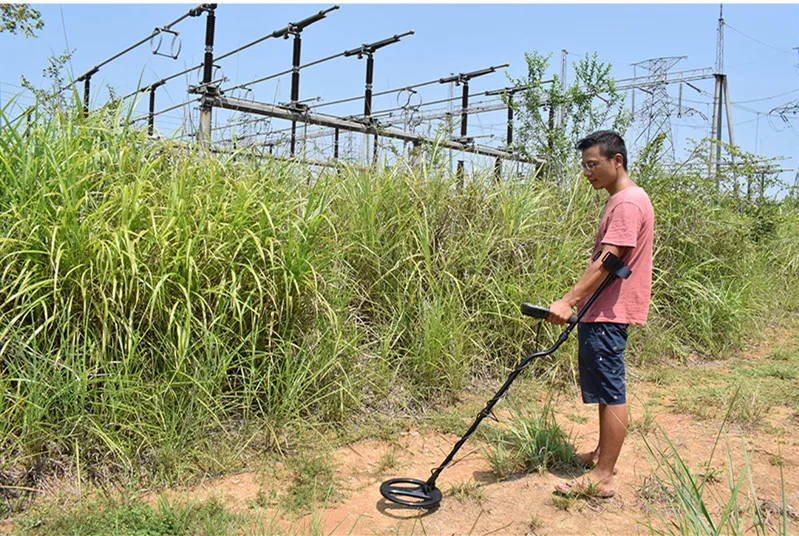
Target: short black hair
<point x="610" y="143"/>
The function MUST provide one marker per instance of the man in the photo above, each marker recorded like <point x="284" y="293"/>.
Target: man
<point x="626" y="230"/>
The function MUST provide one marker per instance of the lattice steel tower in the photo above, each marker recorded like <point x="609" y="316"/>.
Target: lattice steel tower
<point x="655" y="112"/>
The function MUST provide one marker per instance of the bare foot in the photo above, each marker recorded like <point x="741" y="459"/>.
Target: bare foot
<point x="587" y="459"/>
<point x="590" y="459"/>
<point x="587" y="486"/>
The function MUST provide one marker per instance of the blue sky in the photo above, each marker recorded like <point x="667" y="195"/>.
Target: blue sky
<point x="760" y="58"/>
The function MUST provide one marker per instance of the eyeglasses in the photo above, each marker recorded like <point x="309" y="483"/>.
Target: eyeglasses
<point x="589" y="166"/>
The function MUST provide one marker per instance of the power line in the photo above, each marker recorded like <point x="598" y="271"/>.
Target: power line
<point x="758" y="41"/>
<point x="66" y="41"/>
<point x="766" y="98"/>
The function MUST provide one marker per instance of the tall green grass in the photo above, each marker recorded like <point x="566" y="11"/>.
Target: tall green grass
<point x="163" y="309"/>
<point x="683" y="504"/>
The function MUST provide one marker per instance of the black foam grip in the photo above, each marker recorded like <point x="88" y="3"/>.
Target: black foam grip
<point x="536" y="311"/>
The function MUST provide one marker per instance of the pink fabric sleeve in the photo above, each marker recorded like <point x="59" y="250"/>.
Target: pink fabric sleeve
<point x="623" y="225"/>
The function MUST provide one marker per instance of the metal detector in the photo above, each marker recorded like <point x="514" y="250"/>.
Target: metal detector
<point x="420" y="494"/>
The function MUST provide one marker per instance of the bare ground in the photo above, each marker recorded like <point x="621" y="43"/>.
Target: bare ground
<point x="525" y="503"/>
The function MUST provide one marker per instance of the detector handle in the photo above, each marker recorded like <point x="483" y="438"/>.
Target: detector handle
<point x="536" y="311"/>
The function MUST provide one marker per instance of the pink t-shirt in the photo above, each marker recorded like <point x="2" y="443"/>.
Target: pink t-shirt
<point x="628" y="221"/>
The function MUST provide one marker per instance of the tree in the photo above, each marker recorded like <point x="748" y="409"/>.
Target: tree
<point x="550" y="116"/>
<point x="20" y="18"/>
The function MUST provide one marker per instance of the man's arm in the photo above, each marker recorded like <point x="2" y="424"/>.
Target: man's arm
<point x="561" y="310"/>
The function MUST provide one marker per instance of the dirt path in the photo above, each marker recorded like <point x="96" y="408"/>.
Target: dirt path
<point x="525" y="504"/>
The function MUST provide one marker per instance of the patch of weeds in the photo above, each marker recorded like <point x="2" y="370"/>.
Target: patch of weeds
<point x="684" y="376"/>
<point x="566" y="502"/>
<point x="776" y="461"/>
<point x="592" y="493"/>
<point x="467" y="490"/>
<point x="779" y="371"/>
<point x="777" y="431"/>
<point x="701" y="403"/>
<point x="264" y="499"/>
<point x="378" y="427"/>
<point x="113" y="518"/>
<point x="533" y="441"/>
<point x="653" y="491"/>
<point x="579" y="419"/>
<point x="535" y="523"/>
<point x="451" y="423"/>
<point x="747" y="407"/>
<point x="775" y="510"/>
<point x="783" y="353"/>
<point x="660" y="376"/>
<point x="387" y="461"/>
<point x="708" y="474"/>
<point x="313" y="481"/>
<point x="502" y="461"/>
<point x="646" y="423"/>
<point x="490" y="433"/>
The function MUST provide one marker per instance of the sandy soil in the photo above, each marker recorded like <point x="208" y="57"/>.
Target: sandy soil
<point x="525" y="504"/>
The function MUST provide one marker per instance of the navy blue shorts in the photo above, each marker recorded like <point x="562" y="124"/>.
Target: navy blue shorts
<point x="601" y="362"/>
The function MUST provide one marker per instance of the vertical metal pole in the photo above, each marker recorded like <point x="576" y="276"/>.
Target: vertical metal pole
<point x="720" y="42"/>
<point x="86" y="91"/>
<point x="464" y="107"/>
<point x="551" y="130"/>
<point x="151" y="115"/>
<point x="295" y="69"/>
<point x="464" y="125"/>
<point x="561" y="112"/>
<point x="510" y="121"/>
<point x="729" y="110"/>
<point x="367" y="103"/>
<point x="335" y="143"/>
<point x="374" y="151"/>
<point x="450" y="125"/>
<point x="717" y="95"/>
<point x="498" y="169"/>
<point x="295" y="86"/>
<point x="208" y="64"/>
<point x="416" y="155"/>
<point x="726" y="91"/>
<point x="716" y="134"/>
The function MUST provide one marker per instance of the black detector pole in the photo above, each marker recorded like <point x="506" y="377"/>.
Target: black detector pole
<point x="295" y="29"/>
<point x="368" y="51"/>
<point x="463" y="79"/>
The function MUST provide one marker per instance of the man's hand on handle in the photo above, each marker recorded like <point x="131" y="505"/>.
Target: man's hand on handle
<point x="559" y="312"/>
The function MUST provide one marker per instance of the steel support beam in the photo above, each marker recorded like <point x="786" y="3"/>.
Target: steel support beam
<point x="281" y="112"/>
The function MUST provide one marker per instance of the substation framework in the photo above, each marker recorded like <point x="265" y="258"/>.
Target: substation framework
<point x="382" y="124"/>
